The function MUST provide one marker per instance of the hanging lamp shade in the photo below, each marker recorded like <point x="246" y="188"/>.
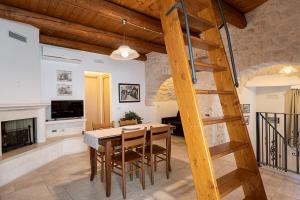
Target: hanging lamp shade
<point x="124" y="52"/>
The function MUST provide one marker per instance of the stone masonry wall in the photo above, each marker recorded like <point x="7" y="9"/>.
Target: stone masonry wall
<point x="272" y="36"/>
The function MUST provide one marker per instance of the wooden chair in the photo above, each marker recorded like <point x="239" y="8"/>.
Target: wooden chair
<point x="128" y="122"/>
<point x="101" y="149"/>
<point x="130" y="141"/>
<point x="155" y="153"/>
<point x="99" y="126"/>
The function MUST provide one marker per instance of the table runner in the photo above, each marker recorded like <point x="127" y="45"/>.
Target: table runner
<point x="92" y="138"/>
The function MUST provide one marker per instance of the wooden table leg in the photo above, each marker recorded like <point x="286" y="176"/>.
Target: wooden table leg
<point x="93" y="162"/>
<point x="108" y="167"/>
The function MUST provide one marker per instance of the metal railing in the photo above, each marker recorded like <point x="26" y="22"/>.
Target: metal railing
<point x="277" y="141"/>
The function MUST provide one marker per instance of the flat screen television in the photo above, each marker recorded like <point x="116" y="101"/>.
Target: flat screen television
<point x="66" y="109"/>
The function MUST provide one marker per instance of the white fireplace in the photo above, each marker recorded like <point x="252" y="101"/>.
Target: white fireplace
<point x="24" y="111"/>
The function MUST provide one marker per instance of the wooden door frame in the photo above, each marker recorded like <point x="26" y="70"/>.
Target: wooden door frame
<point x="106" y="75"/>
<point x="99" y="107"/>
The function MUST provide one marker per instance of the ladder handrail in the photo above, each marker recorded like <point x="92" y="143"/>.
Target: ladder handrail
<point x="188" y="34"/>
<point x="224" y="24"/>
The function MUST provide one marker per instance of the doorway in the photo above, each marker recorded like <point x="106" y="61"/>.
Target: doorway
<point x="97" y="98"/>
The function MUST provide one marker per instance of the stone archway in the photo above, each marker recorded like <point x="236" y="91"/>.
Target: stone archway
<point x="272" y="69"/>
<point x="157" y="72"/>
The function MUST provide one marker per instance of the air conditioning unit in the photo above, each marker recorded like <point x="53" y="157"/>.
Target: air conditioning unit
<point x="61" y="54"/>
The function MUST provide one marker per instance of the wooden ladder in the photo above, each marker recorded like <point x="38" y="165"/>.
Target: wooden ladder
<point x="247" y="174"/>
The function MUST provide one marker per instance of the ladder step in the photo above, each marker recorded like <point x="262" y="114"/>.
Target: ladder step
<point x="200" y="67"/>
<point x="224" y="92"/>
<point x="197" y="24"/>
<point x="217" y="120"/>
<point x="233" y="180"/>
<point x="197" y="42"/>
<point x="226" y="148"/>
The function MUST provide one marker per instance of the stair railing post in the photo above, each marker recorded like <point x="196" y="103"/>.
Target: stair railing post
<point x="276" y="140"/>
<point x="285" y="145"/>
<point x="257" y="139"/>
<point x="267" y="139"/>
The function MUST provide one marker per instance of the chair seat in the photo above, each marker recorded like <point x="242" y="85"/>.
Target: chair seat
<point x="130" y="156"/>
<point x="156" y="149"/>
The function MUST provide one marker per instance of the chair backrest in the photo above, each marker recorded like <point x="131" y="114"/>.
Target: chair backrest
<point x="99" y="126"/>
<point x="159" y="133"/>
<point x="134" y="138"/>
<point x="128" y="122"/>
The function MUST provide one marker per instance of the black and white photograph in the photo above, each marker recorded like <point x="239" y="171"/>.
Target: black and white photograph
<point x="129" y="92"/>
<point x="246" y="108"/>
<point x="63" y="76"/>
<point x="247" y="119"/>
<point x="64" y="90"/>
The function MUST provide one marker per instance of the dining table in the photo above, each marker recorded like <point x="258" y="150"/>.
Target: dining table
<point x="106" y="137"/>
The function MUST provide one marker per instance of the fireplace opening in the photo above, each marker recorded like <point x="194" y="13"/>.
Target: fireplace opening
<point x="18" y="133"/>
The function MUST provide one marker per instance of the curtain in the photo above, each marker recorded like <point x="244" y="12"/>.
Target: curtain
<point x="292" y="107"/>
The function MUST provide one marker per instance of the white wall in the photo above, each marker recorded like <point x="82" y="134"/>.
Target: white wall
<point x="164" y="109"/>
<point x="263" y="99"/>
<point x="271" y="99"/>
<point x="248" y="96"/>
<point x="120" y="71"/>
<point x="25" y="78"/>
<point x="19" y="64"/>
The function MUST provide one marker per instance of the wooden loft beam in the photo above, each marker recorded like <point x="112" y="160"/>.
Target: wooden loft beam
<point x="44" y="39"/>
<point x="232" y="15"/>
<point x="44" y="22"/>
<point x="118" y="12"/>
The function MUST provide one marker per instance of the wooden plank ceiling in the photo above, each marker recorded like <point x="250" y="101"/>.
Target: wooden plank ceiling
<point x="95" y="25"/>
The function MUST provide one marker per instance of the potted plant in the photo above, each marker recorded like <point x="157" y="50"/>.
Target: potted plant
<point x="132" y="115"/>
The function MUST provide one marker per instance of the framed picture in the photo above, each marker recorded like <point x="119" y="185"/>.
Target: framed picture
<point x="129" y="93"/>
<point x="63" y="76"/>
<point x="247" y="119"/>
<point x="64" y="90"/>
<point x="246" y="108"/>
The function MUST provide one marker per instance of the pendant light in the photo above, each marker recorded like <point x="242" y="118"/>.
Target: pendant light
<point x="124" y="52"/>
<point x="288" y="70"/>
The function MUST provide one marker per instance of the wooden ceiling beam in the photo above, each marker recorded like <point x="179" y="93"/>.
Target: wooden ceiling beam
<point x="232" y="15"/>
<point x="117" y="12"/>
<point x="44" y="22"/>
<point x="44" y="39"/>
<point x="245" y="6"/>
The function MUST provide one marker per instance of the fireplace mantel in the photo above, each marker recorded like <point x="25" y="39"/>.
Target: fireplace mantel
<point x="23" y="111"/>
<point x="7" y="107"/>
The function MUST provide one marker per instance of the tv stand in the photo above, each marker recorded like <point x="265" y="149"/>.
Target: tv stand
<point x="63" y="127"/>
<point x="65" y="119"/>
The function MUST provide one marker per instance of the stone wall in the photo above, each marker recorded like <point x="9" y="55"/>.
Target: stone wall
<point x="159" y="85"/>
<point x="272" y="36"/>
<point x="157" y="71"/>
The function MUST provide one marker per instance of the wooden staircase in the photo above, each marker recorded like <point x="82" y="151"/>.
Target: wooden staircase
<point x="247" y="175"/>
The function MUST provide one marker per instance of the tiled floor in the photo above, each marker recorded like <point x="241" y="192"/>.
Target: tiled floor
<point x="68" y="179"/>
